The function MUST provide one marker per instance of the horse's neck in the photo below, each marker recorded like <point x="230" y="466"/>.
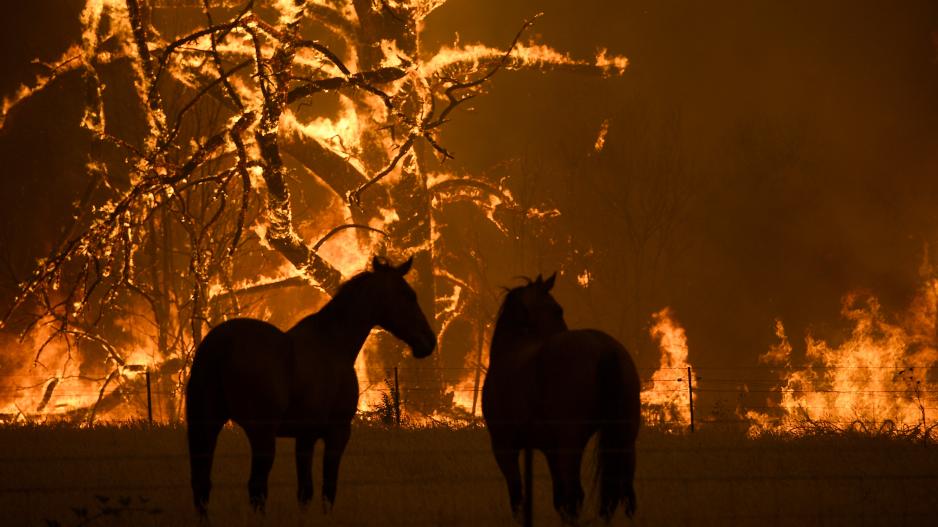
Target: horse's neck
<point x="342" y="325"/>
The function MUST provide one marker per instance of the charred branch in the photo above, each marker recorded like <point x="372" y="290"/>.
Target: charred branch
<point x="143" y="51"/>
<point x="364" y="80"/>
<point x="341" y="228"/>
<point x="451" y="92"/>
<point x="354" y="197"/>
<point x="281" y="234"/>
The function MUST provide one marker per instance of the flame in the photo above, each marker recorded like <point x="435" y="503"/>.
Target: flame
<point x="342" y="135"/>
<point x="284" y="272"/>
<point x="369" y="389"/>
<point x="665" y="400"/>
<point x="67" y="380"/>
<point x="78" y="56"/>
<point x="464" y="391"/>
<point x="877" y="377"/>
<point x="613" y="64"/>
<point x="345" y="252"/>
<point x="473" y="57"/>
<point x="66" y="62"/>
<point x="288" y="10"/>
<point x="64" y="381"/>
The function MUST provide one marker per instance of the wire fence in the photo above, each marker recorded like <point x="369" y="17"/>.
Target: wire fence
<point x="741" y="491"/>
<point x="877" y="394"/>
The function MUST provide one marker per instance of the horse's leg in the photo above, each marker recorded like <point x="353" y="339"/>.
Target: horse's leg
<point x="305" y="444"/>
<point x="507" y="458"/>
<point x="629" y="480"/>
<point x="556" y="479"/>
<point x="564" y="463"/>
<point x="337" y="437"/>
<point x="202" y="438"/>
<point x="263" y="441"/>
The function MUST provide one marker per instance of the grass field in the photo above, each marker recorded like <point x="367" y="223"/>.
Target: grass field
<point x="448" y="477"/>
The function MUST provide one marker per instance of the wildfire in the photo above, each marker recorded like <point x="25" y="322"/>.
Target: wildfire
<point x="62" y="384"/>
<point x="144" y="240"/>
<point x="876" y="379"/>
<point x="666" y="399"/>
<point x="369" y="389"/>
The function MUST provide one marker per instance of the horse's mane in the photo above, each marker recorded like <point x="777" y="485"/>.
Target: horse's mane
<point x="350" y="292"/>
<point x="508" y="311"/>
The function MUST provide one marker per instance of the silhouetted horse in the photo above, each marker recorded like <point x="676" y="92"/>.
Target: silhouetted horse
<point x="551" y="389"/>
<point x="300" y="383"/>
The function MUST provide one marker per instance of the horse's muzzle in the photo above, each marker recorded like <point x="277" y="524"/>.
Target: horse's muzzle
<point x="423" y="347"/>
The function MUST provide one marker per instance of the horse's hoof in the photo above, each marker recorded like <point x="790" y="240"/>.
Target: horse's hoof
<point x="303" y="498"/>
<point x="569" y="519"/>
<point x="517" y="513"/>
<point x="259" y="506"/>
<point x="327" y="506"/>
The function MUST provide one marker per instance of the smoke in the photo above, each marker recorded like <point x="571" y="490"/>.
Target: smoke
<point x="760" y="163"/>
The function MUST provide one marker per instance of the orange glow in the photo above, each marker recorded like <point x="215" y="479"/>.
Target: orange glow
<point x="463" y="391"/>
<point x="369" y="389"/>
<point x="60" y="385"/>
<point x="361" y="122"/>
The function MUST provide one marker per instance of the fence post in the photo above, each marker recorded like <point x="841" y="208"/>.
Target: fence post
<point x="397" y="399"/>
<point x="528" y="487"/>
<point x="149" y="399"/>
<point x="690" y="395"/>
<point x="480" y="344"/>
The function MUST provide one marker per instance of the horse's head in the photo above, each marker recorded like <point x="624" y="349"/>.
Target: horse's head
<point x="531" y="309"/>
<point x="397" y="310"/>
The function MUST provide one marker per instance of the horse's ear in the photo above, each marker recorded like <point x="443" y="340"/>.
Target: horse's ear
<point x="549" y="283"/>
<point x="404" y="267"/>
<point x="377" y="263"/>
<point x="539" y="280"/>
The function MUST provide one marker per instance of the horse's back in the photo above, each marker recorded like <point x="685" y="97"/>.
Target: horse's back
<point x="575" y="370"/>
<point x="247" y="362"/>
<point x="579" y="349"/>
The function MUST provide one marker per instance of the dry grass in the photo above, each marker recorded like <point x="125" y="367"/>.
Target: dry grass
<point x="448" y="477"/>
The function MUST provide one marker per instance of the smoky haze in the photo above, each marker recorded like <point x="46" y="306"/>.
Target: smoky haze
<point x="762" y="160"/>
<point x="794" y="146"/>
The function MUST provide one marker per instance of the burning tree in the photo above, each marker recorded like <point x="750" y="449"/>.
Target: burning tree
<point x="271" y="145"/>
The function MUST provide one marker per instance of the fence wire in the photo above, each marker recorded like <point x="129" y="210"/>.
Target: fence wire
<point x="740" y="385"/>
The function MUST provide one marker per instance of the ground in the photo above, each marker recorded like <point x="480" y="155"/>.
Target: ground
<point x="448" y="477"/>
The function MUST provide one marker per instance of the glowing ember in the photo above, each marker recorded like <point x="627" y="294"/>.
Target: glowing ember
<point x="601" y="137"/>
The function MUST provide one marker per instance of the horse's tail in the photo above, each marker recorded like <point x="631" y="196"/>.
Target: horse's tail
<point x="620" y="413"/>
<point x="206" y="413"/>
